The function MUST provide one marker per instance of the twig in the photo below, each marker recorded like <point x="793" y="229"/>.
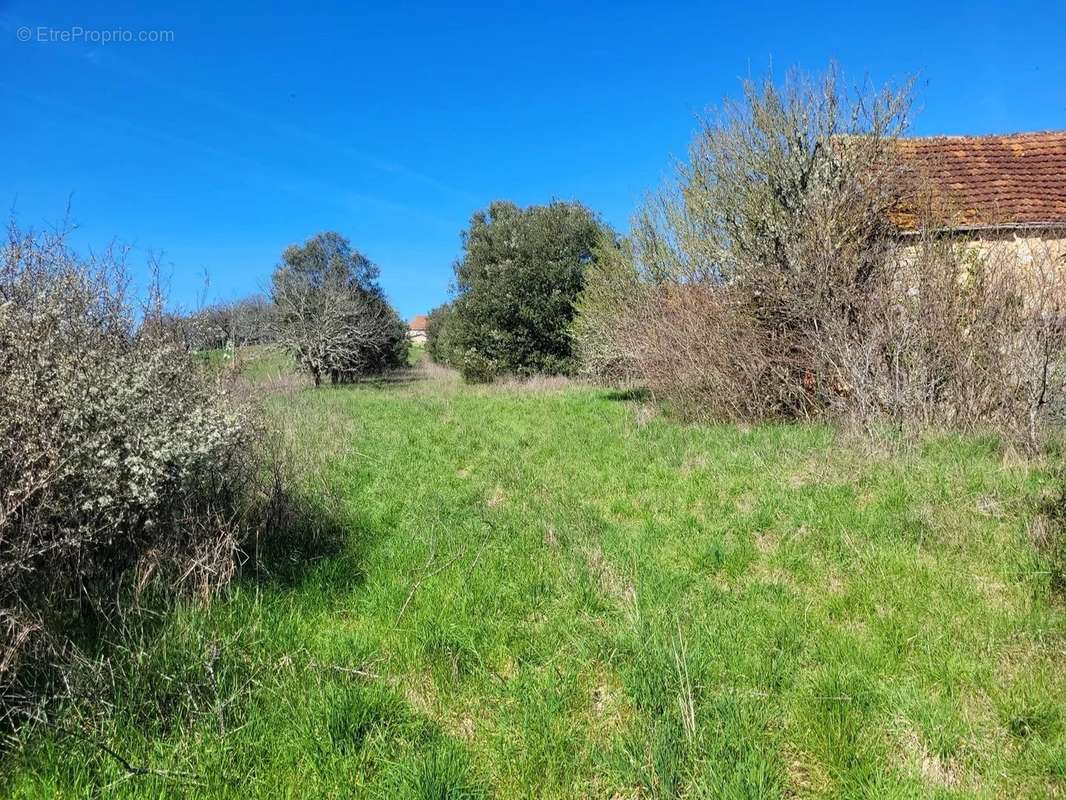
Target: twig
<point x="362" y="673"/>
<point x="425" y="576"/>
<point x="133" y="769"/>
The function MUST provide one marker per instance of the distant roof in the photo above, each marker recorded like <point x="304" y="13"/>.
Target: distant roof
<point x="1017" y="180"/>
<point x="418" y="323"/>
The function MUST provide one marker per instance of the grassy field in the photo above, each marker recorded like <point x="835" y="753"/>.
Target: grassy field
<point x="548" y="590"/>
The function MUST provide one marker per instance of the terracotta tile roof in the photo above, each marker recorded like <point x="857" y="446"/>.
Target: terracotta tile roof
<point x="418" y="323"/>
<point x="1016" y="180"/>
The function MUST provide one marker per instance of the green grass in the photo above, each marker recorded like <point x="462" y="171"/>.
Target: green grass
<point x="548" y="591"/>
<point x="258" y="363"/>
<point x="263" y="362"/>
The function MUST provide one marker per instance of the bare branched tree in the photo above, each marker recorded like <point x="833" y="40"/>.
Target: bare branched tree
<point x="331" y="313"/>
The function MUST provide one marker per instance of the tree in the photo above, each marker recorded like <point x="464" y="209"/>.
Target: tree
<point x="247" y="321"/>
<point x="521" y="271"/>
<point x="748" y="280"/>
<point x="439" y="343"/>
<point x="331" y="313"/>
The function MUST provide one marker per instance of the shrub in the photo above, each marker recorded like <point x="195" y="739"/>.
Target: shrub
<point x="439" y="343"/>
<point x="248" y="321"/>
<point x="122" y="465"/>
<point x="332" y="314"/>
<point x="771" y="281"/>
<point x="476" y="367"/>
<point x="517" y="281"/>
<point x="783" y="205"/>
<point x="607" y="324"/>
<point x="686" y="343"/>
<point x="957" y="334"/>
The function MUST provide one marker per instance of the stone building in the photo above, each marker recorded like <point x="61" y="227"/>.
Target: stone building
<point x="994" y="190"/>
<point x="416" y="329"/>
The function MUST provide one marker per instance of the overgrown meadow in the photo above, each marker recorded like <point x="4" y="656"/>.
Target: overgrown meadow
<point x="546" y="589"/>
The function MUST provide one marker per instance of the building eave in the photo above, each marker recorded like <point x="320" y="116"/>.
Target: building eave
<point x="1036" y="227"/>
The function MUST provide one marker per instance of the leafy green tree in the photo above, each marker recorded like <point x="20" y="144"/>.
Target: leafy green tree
<point x="516" y="284"/>
<point x="439" y="342"/>
<point x="332" y="314"/>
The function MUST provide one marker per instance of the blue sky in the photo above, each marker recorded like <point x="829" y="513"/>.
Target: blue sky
<point x="392" y="122"/>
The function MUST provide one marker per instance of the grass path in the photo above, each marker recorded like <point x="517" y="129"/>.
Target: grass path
<point x="548" y="591"/>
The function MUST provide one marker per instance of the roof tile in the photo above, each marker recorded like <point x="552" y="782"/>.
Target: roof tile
<point x="1018" y="179"/>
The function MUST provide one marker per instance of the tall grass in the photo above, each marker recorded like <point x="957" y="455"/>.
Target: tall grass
<point x="545" y="593"/>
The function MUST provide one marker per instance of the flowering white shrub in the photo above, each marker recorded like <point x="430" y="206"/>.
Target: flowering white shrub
<point x="123" y="463"/>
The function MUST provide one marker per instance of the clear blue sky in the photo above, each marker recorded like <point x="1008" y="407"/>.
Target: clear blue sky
<point x="392" y="122"/>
